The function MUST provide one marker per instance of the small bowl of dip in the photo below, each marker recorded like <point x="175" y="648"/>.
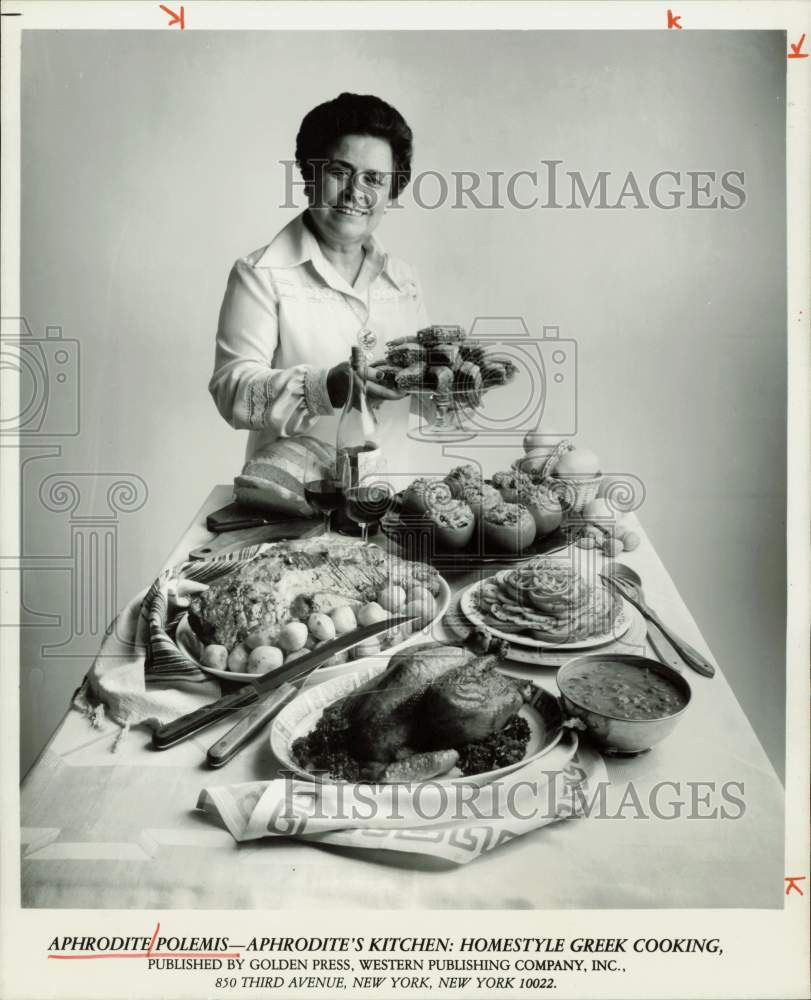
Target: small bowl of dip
<point x="626" y="703"/>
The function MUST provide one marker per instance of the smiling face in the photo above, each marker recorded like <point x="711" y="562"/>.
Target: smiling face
<point x="350" y="192"/>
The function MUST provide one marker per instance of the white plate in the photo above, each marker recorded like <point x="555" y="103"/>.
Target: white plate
<point x="633" y="642"/>
<point x="188" y="643"/>
<point x="299" y="718"/>
<point x="620" y="627"/>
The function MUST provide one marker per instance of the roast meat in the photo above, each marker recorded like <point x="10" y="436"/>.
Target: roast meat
<point x="431" y="697"/>
<point x="290" y="580"/>
<point x="468" y="703"/>
<point x="384" y="716"/>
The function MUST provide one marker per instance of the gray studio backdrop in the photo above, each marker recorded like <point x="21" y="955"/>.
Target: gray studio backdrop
<point x="150" y="162"/>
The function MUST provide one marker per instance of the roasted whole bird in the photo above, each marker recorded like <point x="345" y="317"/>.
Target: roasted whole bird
<point x="409" y="722"/>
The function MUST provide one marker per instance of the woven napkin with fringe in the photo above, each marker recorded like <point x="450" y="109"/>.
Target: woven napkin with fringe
<point x="140" y="675"/>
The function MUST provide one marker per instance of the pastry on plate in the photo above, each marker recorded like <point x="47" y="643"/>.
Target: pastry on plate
<point x="497" y="362"/>
<point x="432" y="335"/>
<point x="468" y="383"/>
<point x="548" y="600"/>
<point x="472" y="352"/>
<point x="404" y="354"/>
<point x="411" y="377"/>
<point x="443" y="354"/>
<point x="493" y="373"/>
<point x="550" y="585"/>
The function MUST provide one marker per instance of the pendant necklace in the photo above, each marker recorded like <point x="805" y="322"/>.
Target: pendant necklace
<point x="367" y="339"/>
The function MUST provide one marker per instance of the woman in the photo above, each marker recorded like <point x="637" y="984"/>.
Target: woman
<point x="294" y="309"/>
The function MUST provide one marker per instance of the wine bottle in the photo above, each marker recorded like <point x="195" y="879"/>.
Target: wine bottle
<point x="358" y="440"/>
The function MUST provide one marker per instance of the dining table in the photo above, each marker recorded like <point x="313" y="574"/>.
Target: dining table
<point x="111" y="823"/>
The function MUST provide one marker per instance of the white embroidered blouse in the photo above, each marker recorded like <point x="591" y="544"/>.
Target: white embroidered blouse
<point x="288" y="317"/>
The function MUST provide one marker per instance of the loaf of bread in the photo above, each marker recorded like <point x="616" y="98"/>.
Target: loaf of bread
<point x="273" y="478"/>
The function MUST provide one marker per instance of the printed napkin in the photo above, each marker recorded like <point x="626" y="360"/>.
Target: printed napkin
<point x="455" y="821"/>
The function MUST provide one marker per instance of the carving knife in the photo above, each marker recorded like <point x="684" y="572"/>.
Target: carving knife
<point x="256" y="718"/>
<point x="281" y="679"/>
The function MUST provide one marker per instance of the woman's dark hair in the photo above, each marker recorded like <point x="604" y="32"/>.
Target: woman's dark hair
<point x="354" y="114"/>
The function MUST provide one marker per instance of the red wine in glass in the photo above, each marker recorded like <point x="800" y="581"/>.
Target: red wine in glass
<point x="326" y="496"/>
<point x="367" y="504"/>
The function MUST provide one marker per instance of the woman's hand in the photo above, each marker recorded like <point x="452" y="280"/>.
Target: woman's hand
<point x="339" y="379"/>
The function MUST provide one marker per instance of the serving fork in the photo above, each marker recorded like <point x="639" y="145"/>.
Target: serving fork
<point x="632" y="595"/>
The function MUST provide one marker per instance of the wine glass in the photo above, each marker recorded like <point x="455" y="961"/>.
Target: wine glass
<point x="322" y="488"/>
<point x="367" y="503"/>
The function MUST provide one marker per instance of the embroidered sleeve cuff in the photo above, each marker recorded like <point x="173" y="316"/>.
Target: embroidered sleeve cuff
<point x="316" y="397"/>
<point x="259" y="395"/>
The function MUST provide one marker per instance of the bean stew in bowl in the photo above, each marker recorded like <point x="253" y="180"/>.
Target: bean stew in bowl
<point x="626" y="703"/>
